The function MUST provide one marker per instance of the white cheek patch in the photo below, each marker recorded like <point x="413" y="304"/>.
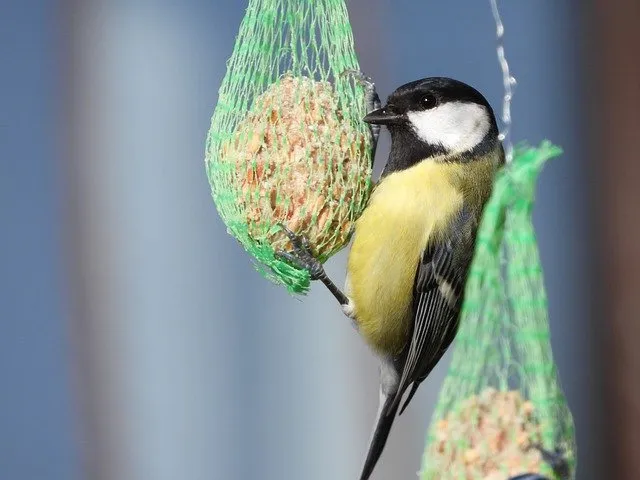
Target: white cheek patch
<point x="457" y="126"/>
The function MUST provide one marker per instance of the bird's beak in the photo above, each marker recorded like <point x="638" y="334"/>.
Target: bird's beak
<point x="383" y="117"/>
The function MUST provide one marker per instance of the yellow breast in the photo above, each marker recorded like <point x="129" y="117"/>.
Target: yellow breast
<point x="407" y="210"/>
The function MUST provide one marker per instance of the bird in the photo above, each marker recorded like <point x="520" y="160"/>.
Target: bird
<point x="414" y="241"/>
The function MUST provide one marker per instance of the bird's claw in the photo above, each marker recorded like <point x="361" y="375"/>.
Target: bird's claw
<point x="372" y="102"/>
<point x="371" y="95"/>
<point x="556" y="461"/>
<point x="360" y="77"/>
<point x="301" y="255"/>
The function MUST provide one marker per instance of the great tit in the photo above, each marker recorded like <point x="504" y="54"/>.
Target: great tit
<point x="414" y="242"/>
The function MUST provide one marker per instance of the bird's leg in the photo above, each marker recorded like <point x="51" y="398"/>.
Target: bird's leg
<point x="302" y="257"/>
<point x="372" y="101"/>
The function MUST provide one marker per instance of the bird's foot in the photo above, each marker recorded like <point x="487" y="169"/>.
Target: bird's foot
<point x="555" y="460"/>
<point x="371" y="98"/>
<point x="302" y="257"/>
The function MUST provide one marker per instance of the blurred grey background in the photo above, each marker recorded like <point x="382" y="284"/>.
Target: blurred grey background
<point x="136" y="340"/>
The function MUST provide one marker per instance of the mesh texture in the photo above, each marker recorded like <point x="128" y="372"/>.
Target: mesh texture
<point x="501" y="396"/>
<point x="287" y="144"/>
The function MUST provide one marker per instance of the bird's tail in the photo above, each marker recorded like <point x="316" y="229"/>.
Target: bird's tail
<point x="386" y="415"/>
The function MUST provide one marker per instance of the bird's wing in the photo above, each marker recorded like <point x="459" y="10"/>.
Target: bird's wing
<point x="437" y="298"/>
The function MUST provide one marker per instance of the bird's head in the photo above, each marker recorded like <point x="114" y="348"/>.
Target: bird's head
<point x="437" y="116"/>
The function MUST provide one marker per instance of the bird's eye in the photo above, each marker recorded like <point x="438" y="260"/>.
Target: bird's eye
<point x="428" y="101"/>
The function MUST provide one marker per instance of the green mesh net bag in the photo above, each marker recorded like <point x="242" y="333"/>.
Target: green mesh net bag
<point x="287" y="145"/>
<point x="501" y="402"/>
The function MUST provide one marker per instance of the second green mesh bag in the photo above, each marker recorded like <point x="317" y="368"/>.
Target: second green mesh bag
<point x="501" y="399"/>
<point x="287" y="144"/>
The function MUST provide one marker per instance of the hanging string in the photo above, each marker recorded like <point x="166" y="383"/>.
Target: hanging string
<point x="509" y="83"/>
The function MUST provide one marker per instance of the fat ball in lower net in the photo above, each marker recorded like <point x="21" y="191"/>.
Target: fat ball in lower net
<point x="486" y="435"/>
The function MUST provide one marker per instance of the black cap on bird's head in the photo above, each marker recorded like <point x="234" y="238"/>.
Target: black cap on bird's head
<point x="436" y="116"/>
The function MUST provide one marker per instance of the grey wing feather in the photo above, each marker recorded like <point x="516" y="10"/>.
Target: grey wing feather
<point x="437" y="299"/>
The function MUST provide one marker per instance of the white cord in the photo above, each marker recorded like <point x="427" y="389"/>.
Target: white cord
<point x="509" y="83"/>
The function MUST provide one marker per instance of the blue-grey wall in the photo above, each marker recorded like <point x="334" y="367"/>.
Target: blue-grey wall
<point x="37" y="421"/>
